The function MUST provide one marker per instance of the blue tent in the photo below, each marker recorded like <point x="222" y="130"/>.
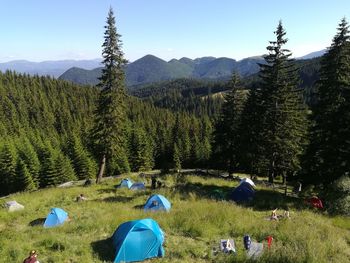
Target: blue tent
<point x="243" y="193"/>
<point x="138" y="186"/>
<point x="126" y="183"/>
<point x="138" y="240"/>
<point x="56" y="217"/>
<point x="156" y="203"/>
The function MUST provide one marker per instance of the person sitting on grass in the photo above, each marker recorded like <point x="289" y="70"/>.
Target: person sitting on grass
<point x="32" y="257"/>
<point x="81" y="198"/>
<point x="274" y="215"/>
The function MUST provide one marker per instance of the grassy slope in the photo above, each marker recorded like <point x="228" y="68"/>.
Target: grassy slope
<point x="194" y="226"/>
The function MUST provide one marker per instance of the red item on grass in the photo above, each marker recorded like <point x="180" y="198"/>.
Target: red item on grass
<point x="269" y="241"/>
<point x="315" y="202"/>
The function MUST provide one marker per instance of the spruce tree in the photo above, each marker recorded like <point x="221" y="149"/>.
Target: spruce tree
<point x="8" y="161"/>
<point x="25" y="181"/>
<point x="48" y="173"/>
<point x="328" y="155"/>
<point x="284" y="122"/>
<point x="29" y="156"/>
<point x="84" y="166"/>
<point x="226" y="132"/>
<point x="110" y="117"/>
<point x="176" y="158"/>
<point x="251" y="151"/>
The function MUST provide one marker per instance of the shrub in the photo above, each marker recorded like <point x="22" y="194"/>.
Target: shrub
<point x="337" y="196"/>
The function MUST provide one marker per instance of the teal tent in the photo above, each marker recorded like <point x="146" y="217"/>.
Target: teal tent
<point x="56" y="217"/>
<point x="138" y="240"/>
<point x="157" y="203"/>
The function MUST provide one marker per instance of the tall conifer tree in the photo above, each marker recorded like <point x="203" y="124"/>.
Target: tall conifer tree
<point x="110" y="117"/>
<point x="328" y="155"/>
<point x="226" y="134"/>
<point x="283" y="112"/>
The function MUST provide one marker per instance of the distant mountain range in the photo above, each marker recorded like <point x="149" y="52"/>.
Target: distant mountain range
<point x="51" y="68"/>
<point x="314" y="54"/>
<point x="147" y="69"/>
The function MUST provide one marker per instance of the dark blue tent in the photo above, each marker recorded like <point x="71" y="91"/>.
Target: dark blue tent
<point x="138" y="240"/>
<point x="243" y="193"/>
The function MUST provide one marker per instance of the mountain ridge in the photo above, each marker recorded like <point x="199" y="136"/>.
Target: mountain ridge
<point x="150" y="68"/>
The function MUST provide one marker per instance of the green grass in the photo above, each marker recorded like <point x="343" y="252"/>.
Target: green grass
<point x="193" y="227"/>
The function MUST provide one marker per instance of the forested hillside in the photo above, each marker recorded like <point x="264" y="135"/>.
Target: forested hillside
<point x="46" y="123"/>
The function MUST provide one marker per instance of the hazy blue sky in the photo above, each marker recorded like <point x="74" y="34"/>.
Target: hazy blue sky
<point x="73" y="29"/>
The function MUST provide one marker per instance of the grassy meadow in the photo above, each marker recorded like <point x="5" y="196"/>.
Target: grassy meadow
<point x="193" y="227"/>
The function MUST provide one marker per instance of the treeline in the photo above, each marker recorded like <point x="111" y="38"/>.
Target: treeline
<point x="45" y="128"/>
<point x="184" y="95"/>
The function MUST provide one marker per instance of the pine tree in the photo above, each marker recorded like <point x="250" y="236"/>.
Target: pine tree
<point x="8" y="160"/>
<point x="141" y="154"/>
<point x="48" y="172"/>
<point x="328" y="155"/>
<point x="84" y="166"/>
<point x="30" y="158"/>
<point x="176" y="158"/>
<point x="251" y="151"/>
<point x="110" y="117"/>
<point x="283" y="116"/>
<point x="226" y="132"/>
<point x="63" y="169"/>
<point x="25" y="181"/>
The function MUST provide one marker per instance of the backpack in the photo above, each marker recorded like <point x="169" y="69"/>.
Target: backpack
<point x="247" y="242"/>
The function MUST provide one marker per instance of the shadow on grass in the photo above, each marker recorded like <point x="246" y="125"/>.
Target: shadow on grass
<point x="263" y="200"/>
<point x="37" y="222"/>
<point x="205" y="191"/>
<point x="139" y="206"/>
<point x="117" y="198"/>
<point x="104" y="249"/>
<point x="107" y="191"/>
<point x="270" y="200"/>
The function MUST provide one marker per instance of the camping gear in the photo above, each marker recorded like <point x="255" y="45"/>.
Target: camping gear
<point x="13" y="206"/>
<point x="56" y="217"/>
<point x="243" y="193"/>
<point x="157" y="203"/>
<point x="269" y="241"/>
<point x="315" y="202"/>
<point x="255" y="250"/>
<point x="138" y="240"/>
<point x="247" y="180"/>
<point x="227" y="246"/>
<point x="247" y="242"/>
<point x="126" y="183"/>
<point x="138" y="186"/>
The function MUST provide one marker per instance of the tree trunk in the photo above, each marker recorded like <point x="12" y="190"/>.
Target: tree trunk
<point x="285" y="182"/>
<point x="271" y="176"/>
<point x="102" y="169"/>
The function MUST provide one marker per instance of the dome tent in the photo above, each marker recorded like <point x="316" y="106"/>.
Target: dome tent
<point x="138" y="186"/>
<point x="157" y="203"/>
<point x="243" y="193"/>
<point x="138" y="240"/>
<point x="126" y="183"/>
<point x="56" y="217"/>
<point x="247" y="180"/>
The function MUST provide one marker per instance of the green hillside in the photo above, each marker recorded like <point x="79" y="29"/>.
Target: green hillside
<point x="193" y="227"/>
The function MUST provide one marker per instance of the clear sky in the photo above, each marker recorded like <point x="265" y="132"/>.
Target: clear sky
<point x="40" y="30"/>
